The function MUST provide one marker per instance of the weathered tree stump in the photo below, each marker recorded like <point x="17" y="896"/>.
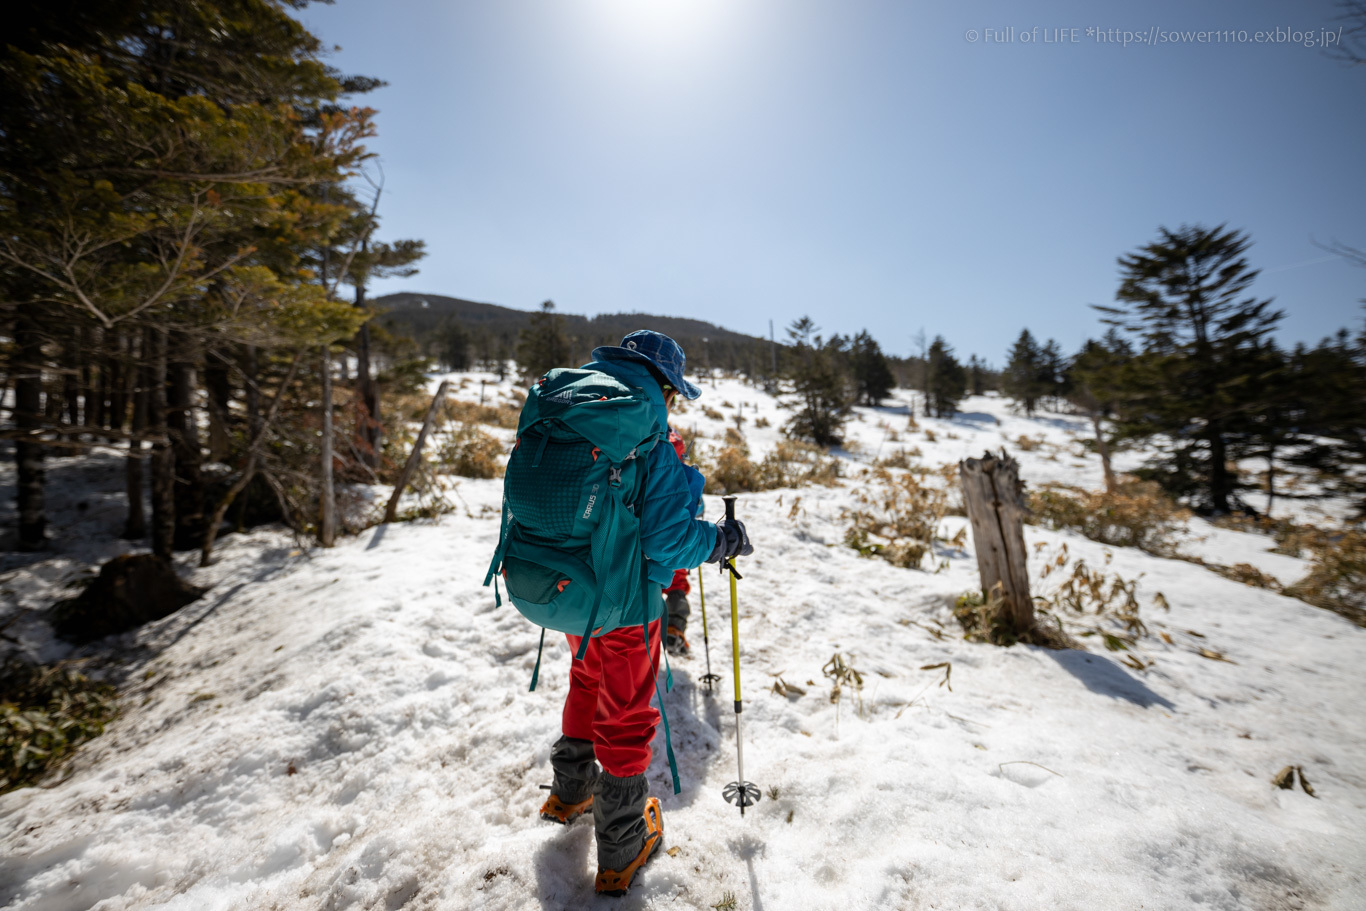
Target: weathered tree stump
<point x="994" y="497"/>
<point x="129" y="591"/>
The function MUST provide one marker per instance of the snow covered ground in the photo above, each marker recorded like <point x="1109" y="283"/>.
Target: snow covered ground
<point x="350" y="728"/>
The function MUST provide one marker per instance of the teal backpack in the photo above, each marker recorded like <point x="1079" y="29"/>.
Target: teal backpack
<point x="569" y="545"/>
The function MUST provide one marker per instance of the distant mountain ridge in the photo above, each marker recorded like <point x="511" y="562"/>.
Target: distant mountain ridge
<point x="423" y="316"/>
<point x="424" y="312"/>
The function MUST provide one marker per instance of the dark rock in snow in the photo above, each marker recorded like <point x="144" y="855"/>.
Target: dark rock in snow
<point x="129" y="591"/>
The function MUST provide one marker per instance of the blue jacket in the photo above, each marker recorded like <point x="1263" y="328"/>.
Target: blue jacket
<point x="671" y="536"/>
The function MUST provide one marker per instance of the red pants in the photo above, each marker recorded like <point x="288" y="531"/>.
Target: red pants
<point x="679" y="583"/>
<point x="609" y="698"/>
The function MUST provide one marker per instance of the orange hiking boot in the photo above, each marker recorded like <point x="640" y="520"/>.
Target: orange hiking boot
<point x="676" y="644"/>
<point x="556" y="810"/>
<point x="616" y="882"/>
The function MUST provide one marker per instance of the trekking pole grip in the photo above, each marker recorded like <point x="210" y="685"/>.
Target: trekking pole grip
<point x="728" y="564"/>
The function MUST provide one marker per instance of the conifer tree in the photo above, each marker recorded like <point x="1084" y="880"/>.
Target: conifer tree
<point x="873" y="379"/>
<point x="823" y="388"/>
<point x="1024" y="369"/>
<point x="948" y="381"/>
<point x="976" y="375"/>
<point x="1184" y="299"/>
<point x="1092" y="377"/>
<point x="544" y="344"/>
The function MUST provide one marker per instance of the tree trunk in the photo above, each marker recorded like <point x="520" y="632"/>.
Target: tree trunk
<point x="118" y="384"/>
<point x="136" y="526"/>
<point x="368" y="390"/>
<point x="163" y="459"/>
<point x="1218" y="469"/>
<point x="219" y="387"/>
<point x="253" y="391"/>
<point x="1103" y="448"/>
<point x="994" y="497"/>
<point x="254" y="444"/>
<point x="391" y="510"/>
<point x="101" y="388"/>
<point x="28" y="420"/>
<point x="1270" y="479"/>
<point x="85" y="350"/>
<point x="189" y="479"/>
<point x="71" y="390"/>
<point x="327" y="521"/>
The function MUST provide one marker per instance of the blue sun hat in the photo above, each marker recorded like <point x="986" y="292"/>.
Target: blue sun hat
<point x="656" y="349"/>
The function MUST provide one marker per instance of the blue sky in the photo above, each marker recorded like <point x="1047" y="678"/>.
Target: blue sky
<point x="860" y="161"/>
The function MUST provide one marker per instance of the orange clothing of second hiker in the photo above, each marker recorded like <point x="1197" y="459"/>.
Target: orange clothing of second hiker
<point x="613" y="710"/>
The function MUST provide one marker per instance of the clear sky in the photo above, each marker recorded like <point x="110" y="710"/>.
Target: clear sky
<point x="861" y="161"/>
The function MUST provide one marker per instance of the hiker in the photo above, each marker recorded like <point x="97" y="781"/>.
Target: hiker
<point x="637" y="524"/>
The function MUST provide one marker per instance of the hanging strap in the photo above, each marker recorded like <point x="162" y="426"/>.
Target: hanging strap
<point x="604" y="541"/>
<point x="663" y="715"/>
<point x="536" y="671"/>
<point x="496" y="563"/>
<point x="540" y="449"/>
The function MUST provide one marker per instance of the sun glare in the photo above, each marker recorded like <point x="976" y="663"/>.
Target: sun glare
<point x="659" y="24"/>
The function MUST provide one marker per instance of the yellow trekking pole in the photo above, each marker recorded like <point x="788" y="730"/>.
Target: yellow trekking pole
<point x="708" y="679"/>
<point x="741" y="792"/>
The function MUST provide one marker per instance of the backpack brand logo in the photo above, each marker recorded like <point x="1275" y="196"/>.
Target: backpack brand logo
<point x="566" y="396"/>
<point x="592" y="501"/>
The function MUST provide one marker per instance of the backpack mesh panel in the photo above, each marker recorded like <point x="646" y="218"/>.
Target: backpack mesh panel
<point x="545" y="498"/>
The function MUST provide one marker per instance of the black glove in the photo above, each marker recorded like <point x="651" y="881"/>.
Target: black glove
<point x="731" y="541"/>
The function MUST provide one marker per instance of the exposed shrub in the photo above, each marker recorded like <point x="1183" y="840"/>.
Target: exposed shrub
<point x="897" y="517"/>
<point x="1028" y="444"/>
<point x="761" y="422"/>
<point x="899" y="458"/>
<point x="1337" y="576"/>
<point x="473" y="413"/>
<point x="472" y="452"/>
<point x="45" y="713"/>
<point x="792" y="463"/>
<point x="929" y="435"/>
<point x="1085" y="602"/>
<point x="1138" y="514"/>
<point x="712" y="413"/>
<point x="1248" y="574"/>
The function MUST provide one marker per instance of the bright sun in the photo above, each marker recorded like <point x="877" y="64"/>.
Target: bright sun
<point x="659" y="23"/>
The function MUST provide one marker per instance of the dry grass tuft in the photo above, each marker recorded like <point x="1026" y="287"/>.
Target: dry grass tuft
<point x="504" y="416"/>
<point x="897" y="517"/>
<point x="899" y="458"/>
<point x="792" y="463"/>
<point x="1138" y="515"/>
<point x="471" y="452"/>
<point x="1086" y="602"/>
<point x="1337" y="574"/>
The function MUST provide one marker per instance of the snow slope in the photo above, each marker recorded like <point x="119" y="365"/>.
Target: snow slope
<point x="351" y="729"/>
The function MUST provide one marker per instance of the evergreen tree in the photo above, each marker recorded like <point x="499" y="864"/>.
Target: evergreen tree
<point x="454" y="342"/>
<point x="1024" y="369"/>
<point x="1053" y="379"/>
<point x="821" y="383"/>
<point x="192" y="136"/>
<point x="1092" y="377"/>
<point x="873" y="380"/>
<point x="544" y="344"/>
<point x="1183" y="298"/>
<point x="948" y="381"/>
<point x="976" y="377"/>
